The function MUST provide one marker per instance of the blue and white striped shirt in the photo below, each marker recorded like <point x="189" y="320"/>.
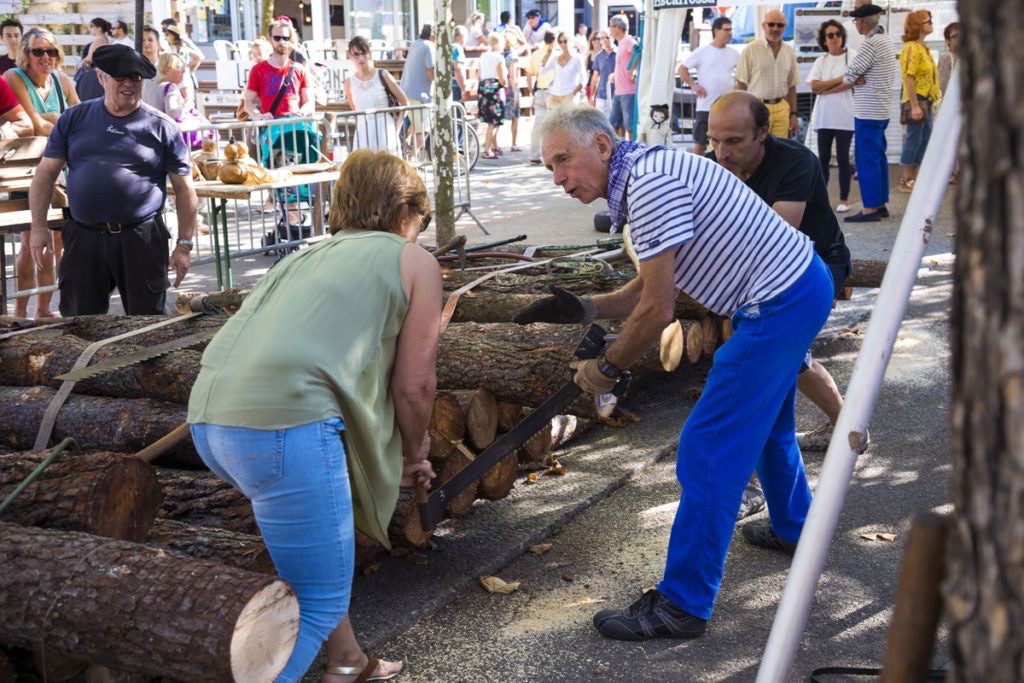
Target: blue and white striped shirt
<point x="731" y="249"/>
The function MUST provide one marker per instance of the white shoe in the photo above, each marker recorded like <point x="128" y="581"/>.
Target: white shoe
<point x="843" y="207"/>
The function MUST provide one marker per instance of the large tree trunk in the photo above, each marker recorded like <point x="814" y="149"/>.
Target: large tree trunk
<point x="245" y="551"/>
<point x="114" y="603"/>
<point x="102" y="493"/>
<point x="31" y="360"/>
<point x="517" y="283"/>
<point x="96" y="423"/>
<point x="97" y="327"/>
<point x="986" y="547"/>
<point x="517" y="363"/>
<point x="501" y="307"/>
<point x="204" y="499"/>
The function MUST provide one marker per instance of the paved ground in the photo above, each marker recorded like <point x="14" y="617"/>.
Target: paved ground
<point x="608" y="518"/>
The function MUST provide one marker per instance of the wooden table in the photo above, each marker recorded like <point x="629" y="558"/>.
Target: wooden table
<point x="219" y="193"/>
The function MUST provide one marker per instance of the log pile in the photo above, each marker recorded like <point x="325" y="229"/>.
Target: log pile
<point x="100" y="529"/>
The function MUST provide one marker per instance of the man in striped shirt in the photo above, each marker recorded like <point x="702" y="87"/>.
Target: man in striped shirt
<point x="697" y="228"/>
<point x="875" y="66"/>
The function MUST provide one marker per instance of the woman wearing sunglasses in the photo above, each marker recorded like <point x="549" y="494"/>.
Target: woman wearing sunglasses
<point x="832" y="118"/>
<point x="318" y="411"/>
<point x="569" y="75"/>
<point x="920" y="76"/>
<point x="41" y="87"/>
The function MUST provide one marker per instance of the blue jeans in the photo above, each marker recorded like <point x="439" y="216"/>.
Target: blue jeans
<point x="916" y="136"/>
<point x="744" y="421"/>
<point x="297" y="481"/>
<point x="872" y="166"/>
<point x="622" y="112"/>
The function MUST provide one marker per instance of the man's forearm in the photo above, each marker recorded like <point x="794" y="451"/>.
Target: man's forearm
<point x="620" y="303"/>
<point x="39" y="194"/>
<point x="639" y="333"/>
<point x="187" y="206"/>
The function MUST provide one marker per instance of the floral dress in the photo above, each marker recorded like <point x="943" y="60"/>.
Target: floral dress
<point x="491" y="96"/>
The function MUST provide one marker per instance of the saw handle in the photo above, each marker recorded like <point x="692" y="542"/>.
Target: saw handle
<point x="164" y="443"/>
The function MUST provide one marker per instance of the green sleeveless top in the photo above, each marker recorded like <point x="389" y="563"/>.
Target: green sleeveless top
<point x="315" y="339"/>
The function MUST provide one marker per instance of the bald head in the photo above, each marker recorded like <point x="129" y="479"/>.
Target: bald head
<point x="740" y="108"/>
<point x="774" y="25"/>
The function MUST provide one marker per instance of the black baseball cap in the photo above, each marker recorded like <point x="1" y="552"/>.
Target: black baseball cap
<point x="866" y="11"/>
<point x="121" y="61"/>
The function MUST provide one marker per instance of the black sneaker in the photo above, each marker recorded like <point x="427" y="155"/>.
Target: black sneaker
<point x="652" y="616"/>
<point x="761" y="534"/>
<point x="883" y="212"/>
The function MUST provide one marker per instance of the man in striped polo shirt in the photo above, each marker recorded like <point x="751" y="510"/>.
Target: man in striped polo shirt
<point x="875" y="67"/>
<point x="697" y="228"/>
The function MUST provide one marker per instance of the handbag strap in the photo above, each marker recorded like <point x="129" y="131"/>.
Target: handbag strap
<point x="285" y="84"/>
<point x="392" y="100"/>
<point x="60" y="91"/>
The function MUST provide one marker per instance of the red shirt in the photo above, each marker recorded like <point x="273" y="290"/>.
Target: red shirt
<point x="265" y="80"/>
<point x="8" y="100"/>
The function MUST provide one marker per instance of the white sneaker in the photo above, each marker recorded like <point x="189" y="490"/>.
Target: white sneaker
<point x="843" y="207"/>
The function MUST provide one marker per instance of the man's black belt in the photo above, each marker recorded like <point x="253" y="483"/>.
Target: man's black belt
<point x="774" y="100"/>
<point x="112" y="226"/>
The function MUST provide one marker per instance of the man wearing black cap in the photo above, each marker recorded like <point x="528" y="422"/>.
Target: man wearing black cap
<point x="875" y="65"/>
<point x="120" y="154"/>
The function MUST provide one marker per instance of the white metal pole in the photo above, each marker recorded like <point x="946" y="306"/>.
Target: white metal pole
<point x="837" y="470"/>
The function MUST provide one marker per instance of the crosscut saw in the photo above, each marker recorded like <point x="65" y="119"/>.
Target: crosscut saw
<point x="432" y="508"/>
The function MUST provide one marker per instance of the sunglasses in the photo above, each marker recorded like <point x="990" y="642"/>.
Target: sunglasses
<point x="278" y="39"/>
<point x="772" y="24"/>
<point x="132" y="78"/>
<point x="833" y="35"/>
<point x="39" y="52"/>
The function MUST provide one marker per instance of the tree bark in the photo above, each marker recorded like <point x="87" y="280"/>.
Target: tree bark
<point x="245" y="551"/>
<point x="105" y="494"/>
<point x="31" y="360"/>
<point x="516" y="283"/>
<point x="96" y="327"/>
<point x="518" y="363"/>
<point x="867" y="274"/>
<point x="204" y="499"/>
<point x="114" y="603"/>
<point x="985" y="550"/>
<point x="96" y="422"/>
<point x="500" y="307"/>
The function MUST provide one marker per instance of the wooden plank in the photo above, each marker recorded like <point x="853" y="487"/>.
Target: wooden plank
<point x="22" y="149"/>
<point x="24" y="217"/>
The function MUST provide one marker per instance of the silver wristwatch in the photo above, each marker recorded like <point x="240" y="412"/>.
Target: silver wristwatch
<point x="184" y="243"/>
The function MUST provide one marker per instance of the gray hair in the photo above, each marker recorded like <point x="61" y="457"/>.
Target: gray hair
<point x="871" y="22"/>
<point x="459" y="30"/>
<point x="580" y="122"/>
<point x="619" y="21"/>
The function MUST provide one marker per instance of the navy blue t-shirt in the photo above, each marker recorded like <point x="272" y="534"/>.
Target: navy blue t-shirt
<point x="117" y="165"/>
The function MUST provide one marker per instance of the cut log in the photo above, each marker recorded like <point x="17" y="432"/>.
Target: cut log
<point x="518" y="363"/>
<point x="867" y="273"/>
<point x="536" y="452"/>
<point x="113" y="603"/>
<point x="95" y="422"/>
<point x="481" y="411"/>
<point x="509" y="415"/>
<point x="405" y="527"/>
<point x="245" y="551"/>
<point x="672" y="346"/>
<point x="565" y="428"/>
<point x="204" y="499"/>
<point x="34" y="360"/>
<point x="500" y="307"/>
<point x="726" y="329"/>
<point x="500" y="479"/>
<point x="105" y="494"/>
<point x="709" y="329"/>
<point x="447" y="425"/>
<point x="694" y="334"/>
<point x="460" y="504"/>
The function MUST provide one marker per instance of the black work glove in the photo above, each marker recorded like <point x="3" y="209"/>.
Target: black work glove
<point x="563" y="308"/>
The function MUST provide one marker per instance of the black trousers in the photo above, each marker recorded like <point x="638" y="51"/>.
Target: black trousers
<point x="97" y="261"/>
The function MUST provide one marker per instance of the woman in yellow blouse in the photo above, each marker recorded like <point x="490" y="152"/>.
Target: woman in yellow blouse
<point x="920" y="77"/>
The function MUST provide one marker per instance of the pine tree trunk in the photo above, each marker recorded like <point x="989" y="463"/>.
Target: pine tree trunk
<point x="245" y="551"/>
<point x="204" y="499"/>
<point x="105" y="494"/>
<point x="96" y="422"/>
<point x="137" y="608"/>
<point x="985" y="552"/>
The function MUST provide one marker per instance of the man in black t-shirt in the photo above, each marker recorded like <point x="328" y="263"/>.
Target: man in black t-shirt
<point x="787" y="176"/>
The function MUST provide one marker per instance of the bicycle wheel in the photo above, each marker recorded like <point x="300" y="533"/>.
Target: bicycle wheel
<point x="469" y="147"/>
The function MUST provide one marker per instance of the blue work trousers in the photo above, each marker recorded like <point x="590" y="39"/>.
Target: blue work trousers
<point x="869" y="147"/>
<point x="297" y="481"/>
<point x="743" y="421"/>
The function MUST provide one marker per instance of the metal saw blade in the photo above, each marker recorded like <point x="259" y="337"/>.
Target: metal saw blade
<point x="143" y="354"/>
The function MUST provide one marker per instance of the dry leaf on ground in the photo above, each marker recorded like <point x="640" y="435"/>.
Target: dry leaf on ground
<point x="492" y="584"/>
<point x="879" y="536"/>
<point x="540" y="548"/>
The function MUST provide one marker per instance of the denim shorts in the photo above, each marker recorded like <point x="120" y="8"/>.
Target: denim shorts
<point x="622" y="112"/>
